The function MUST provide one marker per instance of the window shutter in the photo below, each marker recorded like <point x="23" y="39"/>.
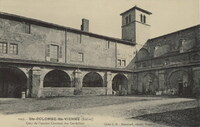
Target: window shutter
<point x="48" y="51"/>
<point x="60" y="52"/>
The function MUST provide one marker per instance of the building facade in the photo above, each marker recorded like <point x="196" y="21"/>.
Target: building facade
<point x="43" y="59"/>
<point x="169" y="64"/>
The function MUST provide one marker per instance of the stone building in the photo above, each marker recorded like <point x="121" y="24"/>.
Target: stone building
<point x="44" y="59"/>
<point x="169" y="64"/>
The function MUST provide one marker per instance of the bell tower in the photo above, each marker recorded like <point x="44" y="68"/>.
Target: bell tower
<point x="136" y="25"/>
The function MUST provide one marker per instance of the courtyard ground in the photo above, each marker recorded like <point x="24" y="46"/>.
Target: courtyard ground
<point x="100" y="111"/>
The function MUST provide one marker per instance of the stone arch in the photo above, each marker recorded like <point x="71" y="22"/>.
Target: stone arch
<point x="150" y="83"/>
<point x="120" y="84"/>
<point x="179" y="82"/>
<point x="92" y="79"/>
<point x="13" y="81"/>
<point x="57" y="78"/>
<point x="22" y="69"/>
<point x="174" y="71"/>
<point x="114" y="74"/>
<point x="84" y="73"/>
<point x="70" y="74"/>
<point x="44" y="72"/>
<point x="142" y="54"/>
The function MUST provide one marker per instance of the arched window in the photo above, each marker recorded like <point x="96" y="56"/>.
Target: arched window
<point x="130" y="18"/>
<point x="126" y="19"/>
<point x="144" y="19"/>
<point x="142" y="54"/>
<point x="141" y="18"/>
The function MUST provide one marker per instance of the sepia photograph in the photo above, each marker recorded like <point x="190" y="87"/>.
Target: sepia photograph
<point x="99" y="63"/>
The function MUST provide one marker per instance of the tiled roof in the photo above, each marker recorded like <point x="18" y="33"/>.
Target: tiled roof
<point x="135" y="7"/>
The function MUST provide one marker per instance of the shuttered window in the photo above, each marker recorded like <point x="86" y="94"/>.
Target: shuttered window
<point x="54" y="52"/>
<point x="3" y="47"/>
<point x="13" y="49"/>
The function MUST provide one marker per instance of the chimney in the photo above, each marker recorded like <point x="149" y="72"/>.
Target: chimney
<point x="85" y="25"/>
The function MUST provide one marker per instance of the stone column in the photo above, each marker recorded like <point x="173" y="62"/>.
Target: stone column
<point x="130" y="83"/>
<point x="161" y="80"/>
<point x="28" y="82"/>
<point x="134" y="87"/>
<point x="36" y="82"/>
<point x="108" y="81"/>
<point x="77" y="82"/>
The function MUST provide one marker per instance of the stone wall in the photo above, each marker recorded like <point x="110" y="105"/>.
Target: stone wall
<point x="129" y="32"/>
<point x="94" y="91"/>
<point x="181" y="41"/>
<point x="170" y="63"/>
<point x="33" y="45"/>
<point x="127" y="53"/>
<point x="96" y="52"/>
<point x="73" y="47"/>
<point x="57" y="92"/>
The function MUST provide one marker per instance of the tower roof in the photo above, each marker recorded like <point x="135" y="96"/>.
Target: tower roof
<point x="135" y="7"/>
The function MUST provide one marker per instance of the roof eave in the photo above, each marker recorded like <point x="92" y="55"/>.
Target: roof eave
<point x="135" y="7"/>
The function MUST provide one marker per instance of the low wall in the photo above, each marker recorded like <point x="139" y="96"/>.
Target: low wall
<point x="94" y="91"/>
<point x="69" y="91"/>
<point x="60" y="91"/>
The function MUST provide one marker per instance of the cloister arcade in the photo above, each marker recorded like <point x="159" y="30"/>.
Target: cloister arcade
<point x="48" y="82"/>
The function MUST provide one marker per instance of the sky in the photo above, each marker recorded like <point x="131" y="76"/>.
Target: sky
<point x="104" y="15"/>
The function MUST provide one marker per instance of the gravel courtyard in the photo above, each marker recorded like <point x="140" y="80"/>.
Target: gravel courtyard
<point x="108" y="111"/>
